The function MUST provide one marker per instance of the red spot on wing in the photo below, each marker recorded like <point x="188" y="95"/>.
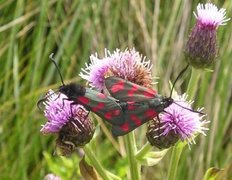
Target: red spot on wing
<point x="133" y="90"/>
<point x="125" y="127"/>
<point x="83" y="99"/>
<point x="117" y="87"/>
<point x="102" y="96"/>
<point x="116" y="112"/>
<point x="110" y="114"/>
<point x="136" y="120"/>
<point x="98" y="107"/>
<point x="130" y="105"/>
<point x="149" y="93"/>
<point x="150" y="113"/>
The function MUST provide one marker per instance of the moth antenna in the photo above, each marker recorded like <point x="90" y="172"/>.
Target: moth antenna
<point x="54" y="62"/>
<point x="189" y="109"/>
<point x="180" y="74"/>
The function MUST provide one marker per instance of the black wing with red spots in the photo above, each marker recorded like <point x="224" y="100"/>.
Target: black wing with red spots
<point x="135" y="114"/>
<point x="127" y="91"/>
<point x="104" y="106"/>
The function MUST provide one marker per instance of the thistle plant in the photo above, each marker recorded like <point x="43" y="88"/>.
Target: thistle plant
<point x="147" y="43"/>
<point x="172" y="127"/>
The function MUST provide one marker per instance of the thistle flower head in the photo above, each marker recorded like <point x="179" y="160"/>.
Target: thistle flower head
<point x="210" y="16"/>
<point x="58" y="111"/>
<point x="201" y="49"/>
<point x="156" y="139"/>
<point x="69" y="121"/>
<point x="77" y="132"/>
<point x="96" y="71"/>
<point x="132" y="66"/>
<point x="128" y="64"/>
<point x="179" y="121"/>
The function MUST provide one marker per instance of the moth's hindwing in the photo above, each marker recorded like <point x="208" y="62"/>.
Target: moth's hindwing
<point x="136" y="114"/>
<point x="127" y="91"/>
<point x="104" y="106"/>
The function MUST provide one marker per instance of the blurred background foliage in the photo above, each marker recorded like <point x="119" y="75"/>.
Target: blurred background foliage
<point x="30" y="30"/>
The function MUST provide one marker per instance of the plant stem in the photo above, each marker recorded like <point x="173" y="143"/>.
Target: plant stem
<point x="113" y="176"/>
<point x="176" y="152"/>
<point x="193" y="83"/>
<point x="143" y="151"/>
<point x="96" y="164"/>
<point x="178" y="148"/>
<point x="131" y="151"/>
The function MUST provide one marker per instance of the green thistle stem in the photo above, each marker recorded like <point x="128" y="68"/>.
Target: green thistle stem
<point x="113" y="176"/>
<point x="143" y="151"/>
<point x="131" y="149"/>
<point x="176" y="152"/>
<point x="193" y="83"/>
<point x="96" y="164"/>
<point x="178" y="148"/>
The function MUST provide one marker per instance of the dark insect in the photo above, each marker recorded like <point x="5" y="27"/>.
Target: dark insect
<point x="139" y="104"/>
<point x="104" y="106"/>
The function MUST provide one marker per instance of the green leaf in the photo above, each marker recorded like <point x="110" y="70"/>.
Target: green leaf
<point x="87" y="171"/>
<point x="152" y="158"/>
<point x="213" y="173"/>
<point x="208" y="70"/>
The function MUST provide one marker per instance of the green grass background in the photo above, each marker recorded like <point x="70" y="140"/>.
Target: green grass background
<point x="31" y="30"/>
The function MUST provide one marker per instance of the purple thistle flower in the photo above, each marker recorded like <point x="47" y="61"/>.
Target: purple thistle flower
<point x="69" y="121"/>
<point x="210" y="16"/>
<point x="182" y="121"/>
<point x="201" y="49"/>
<point x="128" y="64"/>
<point x="177" y="123"/>
<point x="58" y="112"/>
<point x="96" y="71"/>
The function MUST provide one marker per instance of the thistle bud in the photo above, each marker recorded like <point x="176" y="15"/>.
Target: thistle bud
<point x="161" y="142"/>
<point x="77" y="132"/>
<point x="201" y="49"/>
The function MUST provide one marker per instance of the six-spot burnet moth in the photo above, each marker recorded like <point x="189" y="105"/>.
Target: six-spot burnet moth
<point x="140" y="104"/>
<point x="104" y="106"/>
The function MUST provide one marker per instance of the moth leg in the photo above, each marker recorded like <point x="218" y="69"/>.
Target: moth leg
<point x="159" y="131"/>
<point x="57" y="96"/>
<point x="87" y="114"/>
<point x="167" y="112"/>
<point x="39" y="103"/>
<point x="65" y="99"/>
<point x="73" y="103"/>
